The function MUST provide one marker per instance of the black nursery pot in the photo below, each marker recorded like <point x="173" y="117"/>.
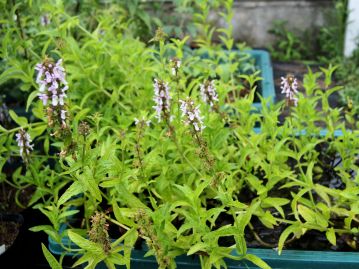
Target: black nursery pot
<point x="10" y="224"/>
<point x="26" y="252"/>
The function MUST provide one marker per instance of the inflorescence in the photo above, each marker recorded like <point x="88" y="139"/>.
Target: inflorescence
<point x="53" y="86"/>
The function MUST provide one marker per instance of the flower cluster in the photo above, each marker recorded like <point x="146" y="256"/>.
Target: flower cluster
<point x="289" y="86"/>
<point x="162" y="99"/>
<point x="45" y="20"/>
<point x="53" y="86"/>
<point x="23" y="140"/>
<point x="175" y="64"/>
<point x="209" y="93"/>
<point x="99" y="231"/>
<point x="147" y="232"/>
<point x="142" y="122"/>
<point x="192" y="115"/>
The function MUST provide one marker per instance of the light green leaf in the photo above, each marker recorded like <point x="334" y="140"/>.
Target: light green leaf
<point x="85" y="244"/>
<point x="197" y="247"/>
<point x="21" y="121"/>
<point x="330" y="234"/>
<point x="75" y="189"/>
<point x="54" y="264"/>
<point x="257" y="261"/>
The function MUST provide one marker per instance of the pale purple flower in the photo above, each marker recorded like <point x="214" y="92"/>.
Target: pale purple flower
<point x="162" y="99"/>
<point x="23" y="140"/>
<point x="289" y="86"/>
<point x="51" y="78"/>
<point x="63" y="115"/>
<point x="176" y="64"/>
<point x="192" y="115"/>
<point x="209" y="93"/>
<point x="45" y="20"/>
<point x="43" y="98"/>
<point x="143" y="121"/>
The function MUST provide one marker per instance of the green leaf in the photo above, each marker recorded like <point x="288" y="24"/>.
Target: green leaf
<point x="292" y="229"/>
<point x="330" y="234"/>
<point x="46" y="145"/>
<point x="54" y="264"/>
<point x="197" y="247"/>
<point x="31" y="98"/>
<point x="128" y="198"/>
<point x="40" y="228"/>
<point x="21" y="121"/>
<point x="120" y="217"/>
<point x="257" y="261"/>
<point x="277" y="203"/>
<point x="85" y="244"/>
<point x="74" y="189"/>
<point x="306" y="213"/>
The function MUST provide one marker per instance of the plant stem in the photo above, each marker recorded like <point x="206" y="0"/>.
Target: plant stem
<point x="19" y="25"/>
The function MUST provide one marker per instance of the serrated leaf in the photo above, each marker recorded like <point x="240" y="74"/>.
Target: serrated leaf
<point x="292" y="229"/>
<point x="85" y="244"/>
<point x="21" y="121"/>
<point x="30" y="99"/>
<point x="74" y="189"/>
<point x="306" y="213"/>
<point x="197" y="247"/>
<point x="330" y="234"/>
<point x="54" y="264"/>
<point x="257" y="261"/>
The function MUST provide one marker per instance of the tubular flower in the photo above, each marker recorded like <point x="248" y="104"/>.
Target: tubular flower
<point x="289" y="86"/>
<point x="51" y="79"/>
<point x="23" y="140"/>
<point x="162" y="99"/>
<point x="192" y="115"/>
<point x="142" y="122"/>
<point x="209" y="93"/>
<point x="176" y="64"/>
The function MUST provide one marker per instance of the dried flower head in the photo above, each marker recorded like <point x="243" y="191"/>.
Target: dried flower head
<point x="175" y="65"/>
<point x="289" y="86"/>
<point x="209" y="93"/>
<point x="159" y="36"/>
<point x="84" y="128"/>
<point x="23" y="140"/>
<point x="192" y="115"/>
<point x="147" y="231"/>
<point x="51" y="78"/>
<point x="99" y="231"/>
<point x="162" y="98"/>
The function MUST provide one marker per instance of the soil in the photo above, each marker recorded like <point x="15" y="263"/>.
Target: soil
<point x="8" y="233"/>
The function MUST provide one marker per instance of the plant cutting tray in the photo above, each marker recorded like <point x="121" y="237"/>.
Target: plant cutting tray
<point x="263" y="63"/>
<point x="289" y="259"/>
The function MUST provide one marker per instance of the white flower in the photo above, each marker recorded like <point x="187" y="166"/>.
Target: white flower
<point x="209" y="93"/>
<point x="289" y="86"/>
<point x="142" y="121"/>
<point x="162" y="99"/>
<point x="192" y="115"/>
<point x="23" y="140"/>
<point x="176" y="64"/>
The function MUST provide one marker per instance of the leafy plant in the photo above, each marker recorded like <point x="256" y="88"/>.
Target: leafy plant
<point x="156" y="145"/>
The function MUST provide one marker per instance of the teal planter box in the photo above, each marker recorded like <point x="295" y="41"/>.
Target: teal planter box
<point x="322" y="133"/>
<point x="289" y="259"/>
<point x="264" y="64"/>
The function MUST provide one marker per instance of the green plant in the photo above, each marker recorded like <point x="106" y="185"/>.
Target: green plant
<point x="288" y="45"/>
<point x="146" y="146"/>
